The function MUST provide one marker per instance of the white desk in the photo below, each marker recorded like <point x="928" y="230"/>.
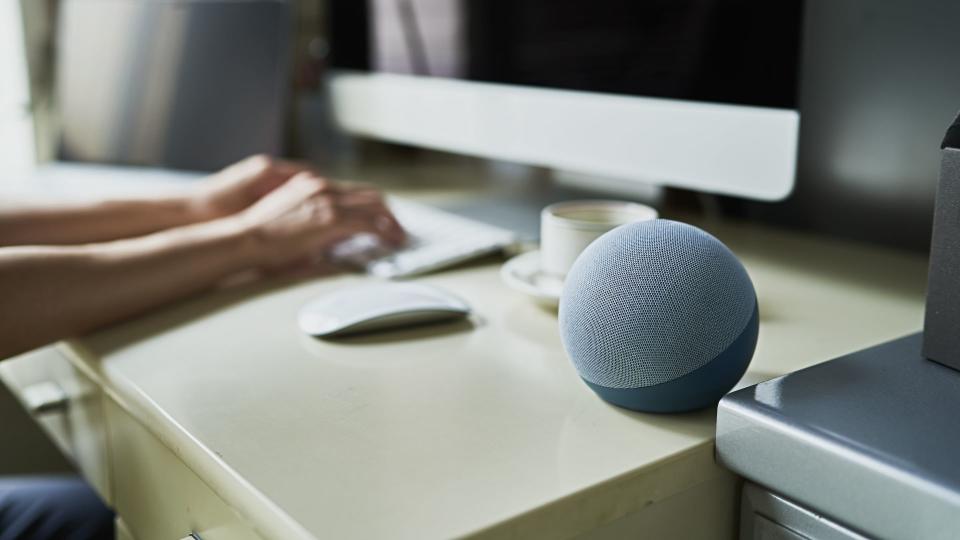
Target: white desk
<point x="218" y="415"/>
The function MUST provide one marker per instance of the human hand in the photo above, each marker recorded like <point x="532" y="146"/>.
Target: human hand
<point x="299" y="222"/>
<point x="240" y="185"/>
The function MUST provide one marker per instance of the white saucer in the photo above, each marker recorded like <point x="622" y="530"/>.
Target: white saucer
<point x="522" y="273"/>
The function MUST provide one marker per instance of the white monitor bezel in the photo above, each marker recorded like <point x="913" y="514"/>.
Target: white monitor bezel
<point x="716" y="148"/>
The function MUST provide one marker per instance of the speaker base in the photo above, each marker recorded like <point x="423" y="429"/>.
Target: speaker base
<point x="701" y="388"/>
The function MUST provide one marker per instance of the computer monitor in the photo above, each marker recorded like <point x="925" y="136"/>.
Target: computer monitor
<point x="698" y="94"/>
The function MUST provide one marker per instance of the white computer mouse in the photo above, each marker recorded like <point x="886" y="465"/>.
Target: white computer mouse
<point x="378" y="306"/>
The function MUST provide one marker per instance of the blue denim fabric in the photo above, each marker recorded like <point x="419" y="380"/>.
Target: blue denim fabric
<point x="52" y="508"/>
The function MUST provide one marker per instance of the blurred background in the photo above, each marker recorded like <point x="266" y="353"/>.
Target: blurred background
<point x="876" y="87"/>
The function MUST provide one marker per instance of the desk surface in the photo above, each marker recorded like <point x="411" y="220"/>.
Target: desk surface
<point x="470" y="428"/>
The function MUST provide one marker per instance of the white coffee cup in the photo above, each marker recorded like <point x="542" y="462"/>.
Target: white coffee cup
<point x="567" y="228"/>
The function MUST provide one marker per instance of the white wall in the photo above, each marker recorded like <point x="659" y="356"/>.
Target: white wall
<point x="17" y="152"/>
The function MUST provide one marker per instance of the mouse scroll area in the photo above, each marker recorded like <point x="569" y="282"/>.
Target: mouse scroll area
<point x="379" y="306"/>
<point x="395" y="321"/>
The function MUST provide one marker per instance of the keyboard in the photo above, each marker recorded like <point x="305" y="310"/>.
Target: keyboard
<point x="435" y="240"/>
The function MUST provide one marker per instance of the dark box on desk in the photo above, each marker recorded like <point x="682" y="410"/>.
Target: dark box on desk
<point x="941" y="332"/>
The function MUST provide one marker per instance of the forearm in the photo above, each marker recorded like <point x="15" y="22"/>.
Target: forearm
<point x="54" y="292"/>
<point x="79" y="223"/>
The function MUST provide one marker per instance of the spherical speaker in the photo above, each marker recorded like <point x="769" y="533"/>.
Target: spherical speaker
<point x="659" y="316"/>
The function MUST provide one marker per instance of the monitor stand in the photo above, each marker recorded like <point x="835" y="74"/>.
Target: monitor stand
<point x="517" y="206"/>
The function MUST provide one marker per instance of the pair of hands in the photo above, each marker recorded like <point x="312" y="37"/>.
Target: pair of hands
<point x="292" y="216"/>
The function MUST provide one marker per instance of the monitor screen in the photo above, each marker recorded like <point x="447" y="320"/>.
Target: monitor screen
<point x="700" y="94"/>
<point x="723" y="51"/>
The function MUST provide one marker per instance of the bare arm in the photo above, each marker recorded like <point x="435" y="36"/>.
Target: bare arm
<point x="78" y="223"/>
<point x="54" y="292"/>
<point x="59" y="291"/>
<point x="222" y="194"/>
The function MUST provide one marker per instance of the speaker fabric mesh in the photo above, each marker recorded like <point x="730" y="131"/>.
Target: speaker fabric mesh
<point x="652" y="301"/>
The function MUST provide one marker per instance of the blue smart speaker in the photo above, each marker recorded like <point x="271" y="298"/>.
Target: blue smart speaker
<point x="659" y="316"/>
